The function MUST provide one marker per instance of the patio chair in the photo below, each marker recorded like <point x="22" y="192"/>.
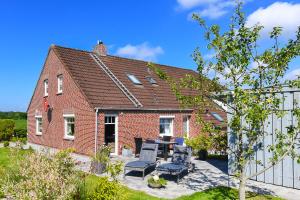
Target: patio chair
<point x="179" y="140"/>
<point x="181" y="162"/>
<point x="146" y="160"/>
<point x="150" y="141"/>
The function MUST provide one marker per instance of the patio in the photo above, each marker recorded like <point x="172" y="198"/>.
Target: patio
<point x="207" y="174"/>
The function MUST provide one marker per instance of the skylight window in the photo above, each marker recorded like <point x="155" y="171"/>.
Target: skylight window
<point x="151" y="80"/>
<point x="217" y="116"/>
<point x="134" y="79"/>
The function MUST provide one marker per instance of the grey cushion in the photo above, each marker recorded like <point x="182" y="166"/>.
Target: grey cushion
<point x="139" y="164"/>
<point x="181" y="155"/>
<point x="171" y="167"/>
<point x="148" y="152"/>
<point x="148" y="146"/>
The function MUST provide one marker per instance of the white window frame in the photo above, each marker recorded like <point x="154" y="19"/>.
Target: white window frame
<point x="46" y="87"/>
<point x="37" y="125"/>
<point x="60" y="83"/>
<point x="134" y="79"/>
<point x="66" y="136"/>
<point x="188" y="117"/>
<point x="172" y="124"/>
<point x="116" y="131"/>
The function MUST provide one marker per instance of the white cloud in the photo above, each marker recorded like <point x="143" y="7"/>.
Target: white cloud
<point x="294" y="74"/>
<point x="212" y="9"/>
<point x="281" y="14"/>
<point x="188" y="4"/>
<point x="141" y="51"/>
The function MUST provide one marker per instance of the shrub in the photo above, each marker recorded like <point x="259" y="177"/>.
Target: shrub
<point x="114" y="169"/>
<point x="107" y="190"/>
<point x="20" y="133"/>
<point x="40" y="176"/>
<point x="6" y="129"/>
<point x="100" y="160"/>
<point x="6" y="143"/>
<point x="200" y="142"/>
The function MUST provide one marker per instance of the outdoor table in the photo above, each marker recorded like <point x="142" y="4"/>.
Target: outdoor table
<point x="165" y="144"/>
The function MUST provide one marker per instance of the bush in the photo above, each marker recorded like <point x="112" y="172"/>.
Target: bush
<point x="20" y="133"/>
<point x="40" y="176"/>
<point x="200" y="142"/>
<point x="6" y="143"/>
<point x="107" y="190"/>
<point x="6" y="129"/>
<point x="100" y="160"/>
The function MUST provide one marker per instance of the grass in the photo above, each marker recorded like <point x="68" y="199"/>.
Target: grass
<point x="20" y="123"/>
<point x="217" y="193"/>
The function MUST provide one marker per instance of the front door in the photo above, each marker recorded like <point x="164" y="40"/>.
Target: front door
<point x="111" y="132"/>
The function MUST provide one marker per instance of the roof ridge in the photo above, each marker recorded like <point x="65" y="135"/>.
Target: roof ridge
<point x="119" y="57"/>
<point x="58" y="46"/>
<point x="133" y="59"/>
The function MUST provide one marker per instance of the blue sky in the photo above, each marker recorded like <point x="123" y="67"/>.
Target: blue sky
<point x="161" y="31"/>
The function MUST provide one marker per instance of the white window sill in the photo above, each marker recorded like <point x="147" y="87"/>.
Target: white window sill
<point x="66" y="137"/>
<point x="58" y="93"/>
<point x="45" y="95"/>
<point x="39" y="134"/>
<point x="161" y="134"/>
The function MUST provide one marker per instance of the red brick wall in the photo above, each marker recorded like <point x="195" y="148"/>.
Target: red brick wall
<point x="146" y="125"/>
<point x="70" y="101"/>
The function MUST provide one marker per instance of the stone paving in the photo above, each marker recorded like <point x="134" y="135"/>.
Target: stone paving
<point x="207" y="174"/>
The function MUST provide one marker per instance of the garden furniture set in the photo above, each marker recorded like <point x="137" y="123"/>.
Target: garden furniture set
<point x="180" y="161"/>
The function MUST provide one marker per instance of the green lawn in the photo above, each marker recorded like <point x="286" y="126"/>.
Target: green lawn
<point x="217" y="193"/>
<point x="20" y="123"/>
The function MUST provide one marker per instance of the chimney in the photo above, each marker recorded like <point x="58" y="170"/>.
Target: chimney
<point x="100" y="49"/>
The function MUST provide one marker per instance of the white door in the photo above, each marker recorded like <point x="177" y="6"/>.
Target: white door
<point x="111" y="132"/>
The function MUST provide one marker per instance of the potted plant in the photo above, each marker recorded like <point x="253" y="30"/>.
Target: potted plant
<point x="126" y="151"/>
<point x="100" y="160"/>
<point x="200" y="144"/>
<point x="156" y="182"/>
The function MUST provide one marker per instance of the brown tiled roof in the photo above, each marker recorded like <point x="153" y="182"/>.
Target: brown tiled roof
<point x="102" y="92"/>
<point x="98" y="88"/>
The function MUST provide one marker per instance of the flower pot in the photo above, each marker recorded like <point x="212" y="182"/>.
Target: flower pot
<point x="127" y="152"/>
<point x="202" y="154"/>
<point x="98" y="167"/>
<point x="155" y="185"/>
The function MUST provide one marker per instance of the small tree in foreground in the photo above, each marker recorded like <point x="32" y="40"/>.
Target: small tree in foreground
<point x="251" y="77"/>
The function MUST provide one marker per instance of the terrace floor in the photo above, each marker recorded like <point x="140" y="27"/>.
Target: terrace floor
<point x="207" y="174"/>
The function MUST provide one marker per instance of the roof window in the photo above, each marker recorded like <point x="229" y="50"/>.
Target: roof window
<point x="217" y="116"/>
<point x="151" y="80"/>
<point x="134" y="79"/>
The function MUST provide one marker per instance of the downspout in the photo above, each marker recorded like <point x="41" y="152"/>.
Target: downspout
<point x="96" y="129"/>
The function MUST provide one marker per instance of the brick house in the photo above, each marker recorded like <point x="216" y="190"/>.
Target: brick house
<point x="84" y="99"/>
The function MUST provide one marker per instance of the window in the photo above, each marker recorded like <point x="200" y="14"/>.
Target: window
<point x="59" y="84"/>
<point x="38" y="125"/>
<point x="46" y="87"/>
<point x="134" y="79"/>
<point x="69" y="126"/>
<point x="186" y="125"/>
<point x="151" y="80"/>
<point x="217" y="116"/>
<point x="166" y="126"/>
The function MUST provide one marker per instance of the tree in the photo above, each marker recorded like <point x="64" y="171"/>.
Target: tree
<point x="249" y="76"/>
